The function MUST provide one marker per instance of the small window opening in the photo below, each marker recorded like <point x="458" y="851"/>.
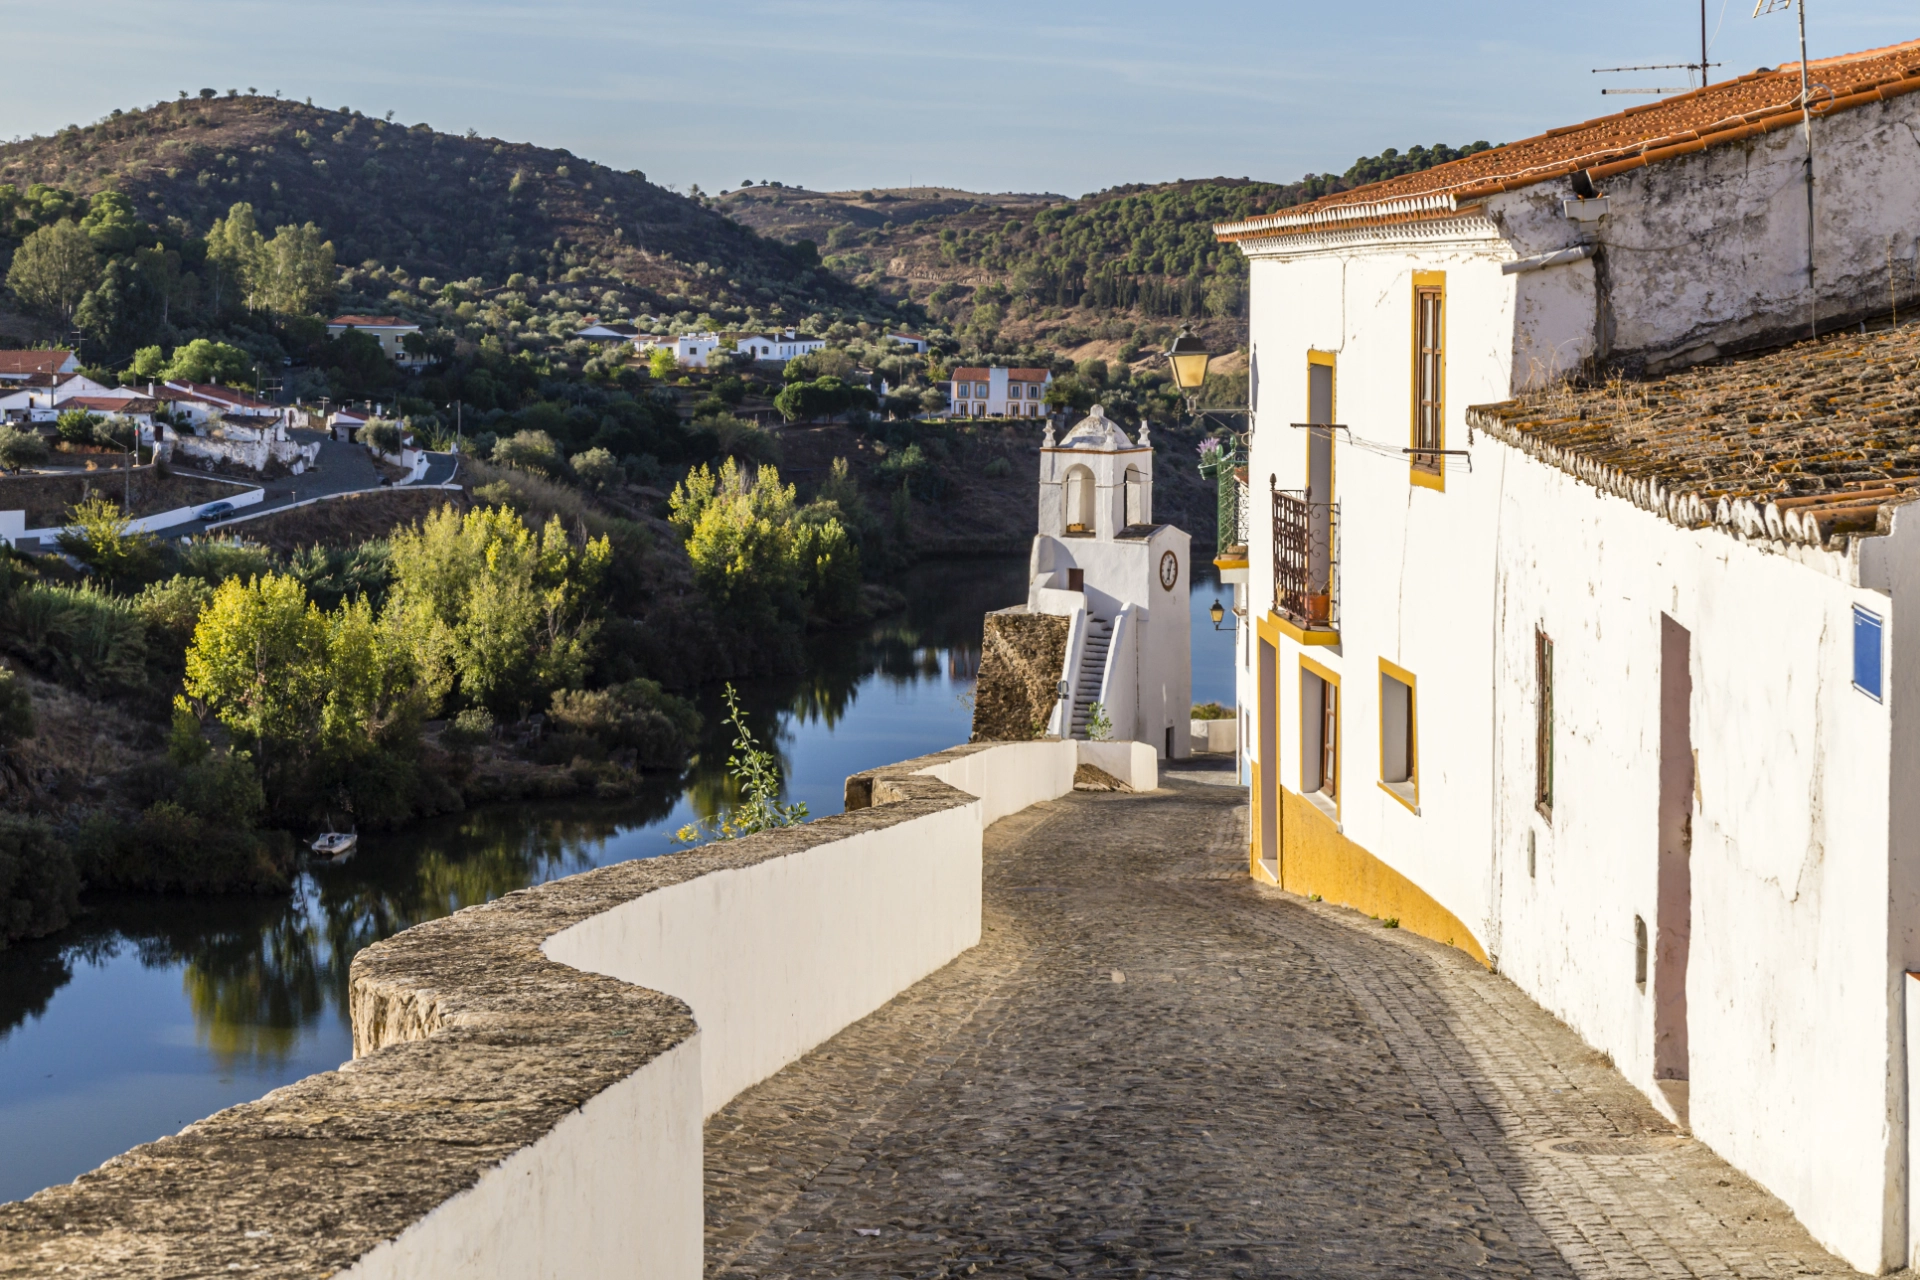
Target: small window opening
<point x="1530" y="844"/>
<point x="1543" y="723"/>
<point x="1868" y="632"/>
<point x="1398" y="746"/>
<point x="1640" y="953"/>
<point x="1319" y="737"/>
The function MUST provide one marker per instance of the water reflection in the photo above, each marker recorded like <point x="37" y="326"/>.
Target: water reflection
<point x="95" y="1057"/>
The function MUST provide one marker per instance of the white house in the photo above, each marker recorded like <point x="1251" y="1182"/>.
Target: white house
<point x="690" y="350"/>
<point x="997" y="392"/>
<point x="600" y="331"/>
<point x="917" y="341"/>
<point x="1100" y="560"/>
<point x="19" y="366"/>
<point x="389" y="331"/>
<point x="1605" y="687"/>
<point x="42" y="397"/>
<point x="785" y="345"/>
<point x="197" y="402"/>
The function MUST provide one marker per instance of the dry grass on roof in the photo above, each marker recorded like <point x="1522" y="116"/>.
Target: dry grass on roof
<point x="1827" y="416"/>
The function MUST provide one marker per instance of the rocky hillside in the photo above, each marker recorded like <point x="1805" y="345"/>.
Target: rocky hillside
<point x="432" y="204"/>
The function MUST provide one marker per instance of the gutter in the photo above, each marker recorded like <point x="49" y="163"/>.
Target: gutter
<point x="1539" y="260"/>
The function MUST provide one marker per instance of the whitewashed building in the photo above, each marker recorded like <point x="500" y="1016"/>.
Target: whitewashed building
<point x="17" y="367"/>
<point x="782" y="346"/>
<point x="1100" y="560"/>
<point x="1605" y="687"/>
<point x="997" y="392"/>
<point x="690" y="350"/>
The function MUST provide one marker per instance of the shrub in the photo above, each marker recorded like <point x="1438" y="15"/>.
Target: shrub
<point x="530" y="451"/>
<point x="76" y="426"/>
<point x="39" y="885"/>
<point x="597" y="469"/>
<point x="214" y="560"/>
<point x="78" y="636"/>
<point x="638" y="716"/>
<point x="171" y="610"/>
<point x="661" y="362"/>
<point x="997" y="467"/>
<point x="733" y="437"/>
<point x="468" y="729"/>
<point x="98" y="536"/>
<point x="20" y="448"/>
<point x="16" y="710"/>
<point x="382" y="436"/>
<point x="756" y="771"/>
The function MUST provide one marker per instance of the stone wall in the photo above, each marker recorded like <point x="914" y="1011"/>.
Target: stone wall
<point x="1021" y="658"/>
<point x="516" y="1108"/>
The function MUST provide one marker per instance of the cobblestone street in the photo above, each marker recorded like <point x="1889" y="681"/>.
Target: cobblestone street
<point x="1152" y="1066"/>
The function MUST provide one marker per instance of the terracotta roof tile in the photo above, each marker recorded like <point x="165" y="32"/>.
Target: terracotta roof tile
<point x="1811" y="426"/>
<point x="16" y="363"/>
<point x="390" y="322"/>
<point x="1730" y="111"/>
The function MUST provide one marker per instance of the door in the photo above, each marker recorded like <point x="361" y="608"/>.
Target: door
<point x="1267" y="766"/>
<point x="1674" y="919"/>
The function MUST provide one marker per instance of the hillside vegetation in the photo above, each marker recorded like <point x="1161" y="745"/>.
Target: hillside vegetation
<point x="407" y="203"/>
<point x="1038" y="268"/>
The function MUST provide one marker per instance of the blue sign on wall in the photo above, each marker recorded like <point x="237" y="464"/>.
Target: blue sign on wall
<point x="1867" y="631"/>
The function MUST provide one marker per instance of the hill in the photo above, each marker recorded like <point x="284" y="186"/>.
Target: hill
<point x="1008" y="270"/>
<point x="411" y="203"/>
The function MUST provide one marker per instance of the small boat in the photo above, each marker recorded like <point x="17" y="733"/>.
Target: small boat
<point x="336" y="846"/>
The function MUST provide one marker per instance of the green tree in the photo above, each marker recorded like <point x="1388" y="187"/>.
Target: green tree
<point x="259" y="660"/>
<point x="53" y="269"/>
<point x="204" y="360"/>
<point x="295" y="273"/>
<point x="235" y="248"/>
<point x="98" y="534"/>
<point x="598" y="469"/>
<point x="661" y="362"/>
<point x="76" y="426"/>
<point x="382" y="435"/>
<point x="111" y="223"/>
<point x="530" y="451"/>
<point x="493" y="610"/>
<point x="20" y="448"/>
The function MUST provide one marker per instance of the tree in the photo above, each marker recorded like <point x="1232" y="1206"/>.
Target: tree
<point x="597" y="469"/>
<point x="382" y="435"/>
<point x="98" y="534"/>
<point x="54" y="269"/>
<point x="294" y="275"/>
<point x="259" y="660"/>
<point x="530" y="451"/>
<point x="111" y="223"/>
<point x="234" y="250"/>
<point x="661" y="362"/>
<point x="20" y="448"/>
<point x="204" y="360"/>
<point x="76" y="426"/>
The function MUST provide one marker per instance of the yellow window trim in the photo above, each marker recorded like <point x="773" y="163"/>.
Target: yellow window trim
<point x="1340" y="734"/>
<point x="1421" y="478"/>
<point x="1412" y="682"/>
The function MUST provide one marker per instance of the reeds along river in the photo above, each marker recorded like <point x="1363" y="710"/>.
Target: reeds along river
<point x="155" y="1012"/>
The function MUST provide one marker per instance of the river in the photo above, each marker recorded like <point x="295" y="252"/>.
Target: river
<point x="154" y="1012"/>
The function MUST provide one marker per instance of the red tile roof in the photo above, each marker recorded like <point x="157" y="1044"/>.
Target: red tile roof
<point x="216" y="394"/>
<point x="374" y="322"/>
<point x="111" y="404"/>
<point x="1730" y="111"/>
<point x="16" y="363"/>
<point x="974" y="373"/>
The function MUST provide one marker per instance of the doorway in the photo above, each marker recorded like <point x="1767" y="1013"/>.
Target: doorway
<point x="1673" y="921"/>
<point x="1267" y="773"/>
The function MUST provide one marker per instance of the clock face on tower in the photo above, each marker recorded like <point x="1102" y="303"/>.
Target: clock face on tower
<point x="1169" y="570"/>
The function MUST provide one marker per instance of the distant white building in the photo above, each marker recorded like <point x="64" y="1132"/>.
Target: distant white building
<point x="914" y="340"/>
<point x="19" y="366"/>
<point x="389" y="331"/>
<point x="996" y="392"/>
<point x="599" y="331"/>
<point x="690" y="350"/>
<point x="782" y="346"/>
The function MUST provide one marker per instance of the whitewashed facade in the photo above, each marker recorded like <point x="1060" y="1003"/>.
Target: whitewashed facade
<point x="979" y="391"/>
<point x="1718" y="888"/>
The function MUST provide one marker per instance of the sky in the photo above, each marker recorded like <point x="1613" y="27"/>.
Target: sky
<point x="989" y="95"/>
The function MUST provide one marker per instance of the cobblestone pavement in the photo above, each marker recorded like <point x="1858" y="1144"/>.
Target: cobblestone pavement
<point x="1151" y="1066"/>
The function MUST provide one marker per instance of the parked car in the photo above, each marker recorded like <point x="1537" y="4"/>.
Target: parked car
<point x="215" y="510"/>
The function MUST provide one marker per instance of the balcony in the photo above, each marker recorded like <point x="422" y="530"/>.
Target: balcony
<point x="1306" y="554"/>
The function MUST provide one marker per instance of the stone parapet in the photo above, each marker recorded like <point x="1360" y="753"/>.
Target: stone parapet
<point x="1021" y="660"/>
<point x="510" y="1114"/>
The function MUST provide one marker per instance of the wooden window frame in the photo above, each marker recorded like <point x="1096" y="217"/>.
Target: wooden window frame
<point x="1408" y="792"/>
<point x="1543" y="723"/>
<point x="1330" y="753"/>
<point x="1429" y="471"/>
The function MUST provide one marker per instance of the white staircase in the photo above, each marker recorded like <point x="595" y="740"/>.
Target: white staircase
<point x="1093" y="668"/>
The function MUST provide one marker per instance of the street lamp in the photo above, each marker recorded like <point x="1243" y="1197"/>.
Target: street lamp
<point x="1188" y="357"/>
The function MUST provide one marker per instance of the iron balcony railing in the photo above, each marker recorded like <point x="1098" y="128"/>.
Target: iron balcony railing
<point x="1242" y="510"/>
<point x="1223" y="465"/>
<point x="1306" y="561"/>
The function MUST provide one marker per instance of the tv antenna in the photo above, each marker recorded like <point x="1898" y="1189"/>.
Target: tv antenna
<point x="1761" y="9"/>
<point x="1703" y="66"/>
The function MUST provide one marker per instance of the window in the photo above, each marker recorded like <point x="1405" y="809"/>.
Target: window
<point x="1640" y="953"/>
<point x="1320" y="736"/>
<point x="1868" y="628"/>
<point x="982" y="390"/>
<point x="1543" y="723"/>
<point x="1429" y="377"/>
<point x="1399" y="739"/>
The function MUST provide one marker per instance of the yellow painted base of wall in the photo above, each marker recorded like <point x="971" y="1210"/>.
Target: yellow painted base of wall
<point x="1316" y="858"/>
